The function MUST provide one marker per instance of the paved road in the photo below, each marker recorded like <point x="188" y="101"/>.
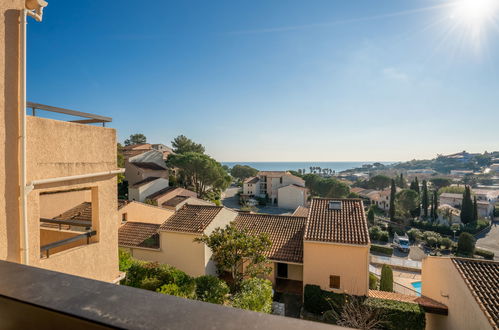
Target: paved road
<point x="490" y="240"/>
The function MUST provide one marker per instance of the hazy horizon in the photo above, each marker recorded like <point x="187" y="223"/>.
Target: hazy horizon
<point x="269" y="80"/>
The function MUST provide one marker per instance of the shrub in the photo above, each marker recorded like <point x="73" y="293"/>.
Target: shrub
<point x="382" y="249"/>
<point x="399" y="315"/>
<point x="373" y="282"/>
<point x="446" y="242"/>
<point x="211" y="289"/>
<point x="374" y="232"/>
<point x="255" y="294"/>
<point x="386" y="282"/>
<point x="485" y="253"/>
<point x="150" y="283"/>
<point x="383" y="236"/>
<point x="431" y="238"/>
<point x="315" y="300"/>
<point x="414" y="234"/>
<point x="466" y="244"/>
<point x="125" y="260"/>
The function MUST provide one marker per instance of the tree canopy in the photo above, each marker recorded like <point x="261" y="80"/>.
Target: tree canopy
<point x="467" y="206"/>
<point x="242" y="172"/>
<point x="439" y="183"/>
<point x="326" y="187"/>
<point x="407" y="201"/>
<point x="182" y="144"/>
<point x="200" y="171"/>
<point x="137" y="138"/>
<point x="233" y="247"/>
<point x="379" y="182"/>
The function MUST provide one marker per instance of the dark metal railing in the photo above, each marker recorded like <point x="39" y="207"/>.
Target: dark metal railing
<point x="75" y="223"/>
<point x="91" y="118"/>
<point x="46" y="248"/>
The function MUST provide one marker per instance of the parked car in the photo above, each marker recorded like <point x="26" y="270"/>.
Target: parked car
<point x="401" y="242"/>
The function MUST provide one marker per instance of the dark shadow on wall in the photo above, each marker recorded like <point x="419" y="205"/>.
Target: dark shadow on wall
<point x="11" y="124"/>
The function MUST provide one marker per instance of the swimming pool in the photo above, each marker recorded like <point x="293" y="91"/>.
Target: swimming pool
<point x="417" y="286"/>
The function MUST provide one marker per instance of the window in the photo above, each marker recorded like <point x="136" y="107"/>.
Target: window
<point x="334" y="282"/>
<point x="282" y="270"/>
<point x="280" y="180"/>
<point x="124" y="217"/>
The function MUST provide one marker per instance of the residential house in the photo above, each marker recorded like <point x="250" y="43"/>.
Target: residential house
<point x="448" y="215"/>
<point x="146" y="165"/>
<point x="301" y="211"/>
<point x="460" y="173"/>
<point x="174" y="198"/>
<point x="166" y="151"/>
<point x="380" y="198"/>
<point x="485" y="207"/>
<point x="267" y="184"/>
<point x="140" y="191"/>
<point x="328" y="247"/>
<point x="140" y="212"/>
<point x="494" y="168"/>
<point x="49" y="167"/>
<point x="469" y="288"/>
<point x="135" y="149"/>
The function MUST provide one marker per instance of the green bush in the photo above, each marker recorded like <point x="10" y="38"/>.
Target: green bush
<point x="374" y="232"/>
<point x="125" y="260"/>
<point x="315" y="300"/>
<point x="466" y="244"/>
<point x="255" y="294"/>
<point x="150" y="283"/>
<point x="211" y="289"/>
<point x="399" y="315"/>
<point x="386" y="282"/>
<point x="485" y="253"/>
<point x="373" y="282"/>
<point x="414" y="234"/>
<point x="382" y="249"/>
<point x="173" y="289"/>
<point x="446" y="242"/>
<point x="383" y="236"/>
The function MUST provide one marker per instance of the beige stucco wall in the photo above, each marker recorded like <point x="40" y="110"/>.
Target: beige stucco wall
<point x="290" y="197"/>
<point x="180" y="251"/>
<point x="442" y="282"/>
<point x="52" y="205"/>
<point x="350" y="262"/>
<point x="140" y="212"/>
<point x="9" y="129"/>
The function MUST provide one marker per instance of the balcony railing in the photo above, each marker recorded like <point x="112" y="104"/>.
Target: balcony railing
<point x="53" y="300"/>
<point x="90" y="117"/>
<point x="46" y="248"/>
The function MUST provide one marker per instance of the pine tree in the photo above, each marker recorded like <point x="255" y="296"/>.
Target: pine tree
<point x="424" y="199"/>
<point x="475" y="210"/>
<point x="393" y="192"/>
<point x="467" y="206"/>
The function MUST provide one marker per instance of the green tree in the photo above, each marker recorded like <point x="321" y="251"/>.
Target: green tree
<point x="379" y="182"/>
<point x="233" y="247"/>
<point x="242" y="172"/>
<point x="401" y="182"/>
<point x="373" y="282"/>
<point x="406" y="201"/>
<point x="255" y="295"/>
<point x="439" y="183"/>
<point x="200" y="171"/>
<point x="475" y="209"/>
<point x="424" y="199"/>
<point x="120" y="161"/>
<point x="326" y="187"/>
<point x="466" y="244"/>
<point x="370" y="216"/>
<point x="211" y="289"/>
<point x="182" y="144"/>
<point x="393" y="193"/>
<point x="137" y="138"/>
<point x="434" y="206"/>
<point x="415" y="186"/>
<point x="467" y="206"/>
<point x="386" y="282"/>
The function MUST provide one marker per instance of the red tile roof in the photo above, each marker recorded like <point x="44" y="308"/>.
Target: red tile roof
<point x="482" y="278"/>
<point x="149" y="166"/>
<point x="348" y="225"/>
<point x="145" y="181"/>
<point x="430" y="305"/>
<point x="175" y="201"/>
<point x="285" y="233"/>
<point x="139" y="234"/>
<point x="301" y="211"/>
<point x="81" y="212"/>
<point x="191" y="218"/>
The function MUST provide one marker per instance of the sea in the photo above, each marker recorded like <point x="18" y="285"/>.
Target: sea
<point x="286" y="166"/>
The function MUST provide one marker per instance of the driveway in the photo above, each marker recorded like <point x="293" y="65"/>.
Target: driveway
<point x="230" y="198"/>
<point x="490" y="240"/>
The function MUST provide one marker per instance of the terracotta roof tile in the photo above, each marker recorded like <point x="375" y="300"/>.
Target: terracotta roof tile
<point x="482" y="278"/>
<point x="348" y="225"/>
<point x="301" y="211"/>
<point x="139" y="234"/>
<point x="175" y="201"/>
<point x="429" y="304"/>
<point x="81" y="212"/>
<point x="252" y="180"/>
<point x="285" y="233"/>
<point x="145" y="181"/>
<point x="149" y="166"/>
<point x="191" y="218"/>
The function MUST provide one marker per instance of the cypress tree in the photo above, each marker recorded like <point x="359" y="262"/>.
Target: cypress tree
<point x="415" y="186"/>
<point x="386" y="281"/>
<point x="393" y="192"/>
<point x="475" y="210"/>
<point x="467" y="206"/>
<point x="435" y="205"/>
<point x="424" y="200"/>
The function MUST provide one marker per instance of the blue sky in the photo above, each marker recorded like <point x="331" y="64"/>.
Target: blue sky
<point x="268" y="80"/>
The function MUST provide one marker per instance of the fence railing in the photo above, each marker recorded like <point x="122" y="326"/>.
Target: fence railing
<point x="46" y="248"/>
<point x="90" y="117"/>
<point x="397" y="262"/>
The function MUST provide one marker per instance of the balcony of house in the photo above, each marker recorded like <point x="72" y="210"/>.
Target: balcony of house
<point x="71" y="192"/>
<point x="59" y="301"/>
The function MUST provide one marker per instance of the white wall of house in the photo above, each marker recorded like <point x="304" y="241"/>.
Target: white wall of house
<point x="290" y="197"/>
<point x="140" y="193"/>
<point x="251" y="188"/>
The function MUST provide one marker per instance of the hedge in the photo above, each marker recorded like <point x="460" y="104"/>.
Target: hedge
<point x="485" y="253"/>
<point x="472" y="228"/>
<point x="382" y="249"/>
<point x="398" y="315"/>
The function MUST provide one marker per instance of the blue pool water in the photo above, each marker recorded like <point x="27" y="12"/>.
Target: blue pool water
<point x="417" y="286"/>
